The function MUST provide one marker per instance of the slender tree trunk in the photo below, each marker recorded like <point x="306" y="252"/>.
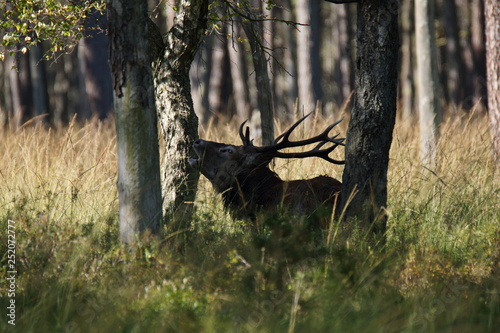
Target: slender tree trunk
<point x="96" y="74"/>
<point x="369" y="135"/>
<point x="62" y="89"/>
<point x="200" y="74"/>
<point x="345" y="63"/>
<point x="239" y="77"/>
<point x="406" y="76"/>
<point x="253" y="30"/>
<point x="218" y="43"/>
<point x="492" y="16"/>
<point x="463" y="11"/>
<point x="478" y="51"/>
<point x="139" y="190"/>
<point x="83" y="112"/>
<point x="21" y="88"/>
<point x="41" y="104"/>
<point x="429" y="109"/>
<point x="269" y="39"/>
<point x="71" y="67"/>
<point x="453" y="53"/>
<point x="174" y="103"/>
<point x="292" y="87"/>
<point x="4" y="96"/>
<point x="218" y="94"/>
<point x="308" y="61"/>
<point x="332" y="67"/>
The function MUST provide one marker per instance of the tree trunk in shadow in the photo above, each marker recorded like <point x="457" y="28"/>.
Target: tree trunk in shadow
<point x="369" y="135"/>
<point x="253" y="30"/>
<point x="136" y="123"/>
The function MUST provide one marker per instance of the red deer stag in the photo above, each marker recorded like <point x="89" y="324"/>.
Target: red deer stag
<point x="242" y="175"/>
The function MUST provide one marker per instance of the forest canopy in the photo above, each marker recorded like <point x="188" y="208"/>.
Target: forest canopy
<point x="26" y="23"/>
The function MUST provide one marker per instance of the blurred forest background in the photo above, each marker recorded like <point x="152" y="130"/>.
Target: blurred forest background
<point x="315" y="65"/>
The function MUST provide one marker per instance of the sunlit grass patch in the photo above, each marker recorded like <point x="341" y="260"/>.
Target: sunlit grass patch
<point x="69" y="175"/>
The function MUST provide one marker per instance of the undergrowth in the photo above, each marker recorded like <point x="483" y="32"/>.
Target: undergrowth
<point x="438" y="271"/>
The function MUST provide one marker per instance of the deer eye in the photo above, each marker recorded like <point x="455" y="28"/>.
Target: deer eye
<point x="226" y="150"/>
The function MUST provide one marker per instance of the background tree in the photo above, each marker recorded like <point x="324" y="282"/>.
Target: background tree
<point x="406" y="85"/>
<point x="492" y="13"/>
<point x="478" y="52"/>
<point x="59" y="27"/>
<point x="308" y="53"/>
<point x="139" y="192"/>
<point x="428" y="86"/>
<point x="41" y="106"/>
<point x="369" y="135"/>
<point x="454" y="65"/>
<point x="254" y="30"/>
<point x="236" y="50"/>
<point x="95" y="72"/>
<point x="345" y="55"/>
<point x="429" y="108"/>
<point x="20" y="89"/>
<point x="219" y="85"/>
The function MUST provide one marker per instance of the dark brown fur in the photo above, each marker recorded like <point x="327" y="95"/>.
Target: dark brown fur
<point x="248" y="186"/>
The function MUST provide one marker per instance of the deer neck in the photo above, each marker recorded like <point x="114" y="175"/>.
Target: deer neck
<point x="253" y="190"/>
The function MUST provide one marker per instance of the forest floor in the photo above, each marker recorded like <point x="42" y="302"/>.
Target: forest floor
<point x="438" y="270"/>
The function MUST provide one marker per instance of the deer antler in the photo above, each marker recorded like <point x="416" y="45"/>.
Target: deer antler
<point x="283" y="141"/>
<point x="245" y="138"/>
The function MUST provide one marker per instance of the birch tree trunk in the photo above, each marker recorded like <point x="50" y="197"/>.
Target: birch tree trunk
<point x="174" y="103"/>
<point x="492" y="17"/>
<point x="136" y="125"/>
<point x="429" y="109"/>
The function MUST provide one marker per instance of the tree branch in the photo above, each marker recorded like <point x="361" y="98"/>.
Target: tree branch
<point x="252" y="18"/>
<point x="342" y="1"/>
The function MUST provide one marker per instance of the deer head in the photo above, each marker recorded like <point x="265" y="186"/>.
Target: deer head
<point x="242" y="173"/>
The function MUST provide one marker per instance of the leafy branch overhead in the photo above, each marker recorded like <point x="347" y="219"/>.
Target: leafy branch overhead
<point x="61" y="24"/>
<point x="29" y="22"/>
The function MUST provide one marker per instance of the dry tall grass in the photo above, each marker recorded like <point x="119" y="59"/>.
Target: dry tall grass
<point x="70" y="175"/>
<point x="440" y="263"/>
<point x="65" y="176"/>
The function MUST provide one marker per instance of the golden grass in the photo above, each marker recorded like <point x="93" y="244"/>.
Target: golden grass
<point x="72" y="173"/>
<point x="68" y="175"/>
<point x="440" y="263"/>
